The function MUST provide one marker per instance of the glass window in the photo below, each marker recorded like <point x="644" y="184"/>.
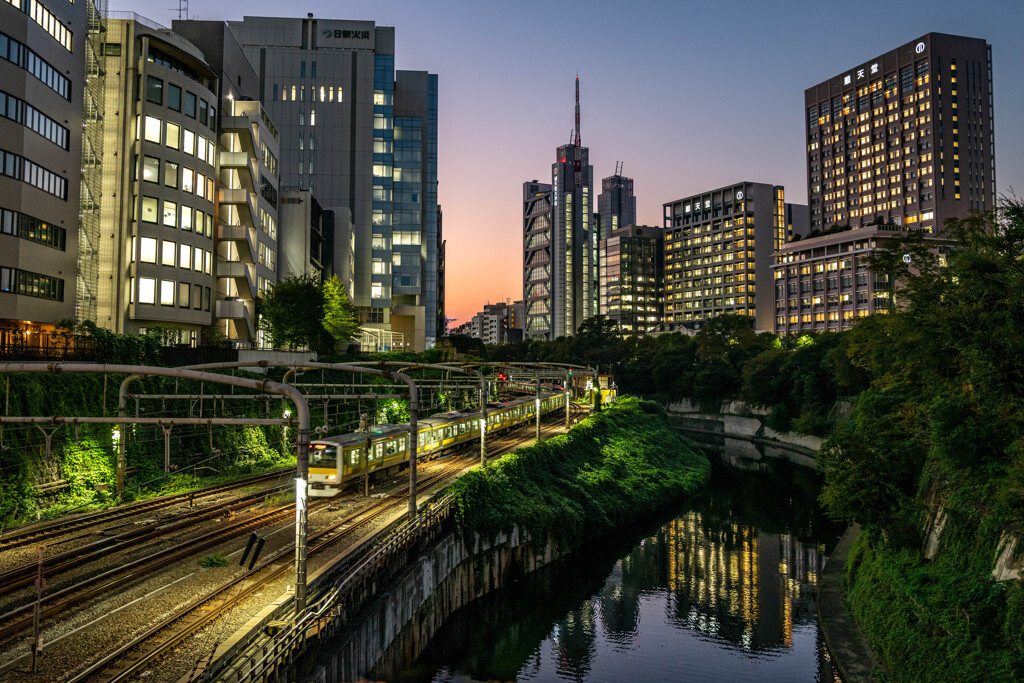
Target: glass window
<point x="151" y="169"/>
<point x="173" y="97"/>
<point x="200" y="184"/>
<point x="207" y="259"/>
<point x="167" y="253"/>
<point x="201" y="148"/>
<point x="203" y="117"/>
<point x="186" y="256"/>
<point x="183" y="291"/>
<point x="197" y="297"/>
<point x="173" y="135"/>
<point x="147" y="290"/>
<point x="186" y="217"/>
<point x="154" y="90"/>
<point x="170" y="214"/>
<point x="153" y="129"/>
<point x="147" y="250"/>
<point x="209" y="225"/>
<point x="209" y="152"/>
<point x="190" y="104"/>
<point x="209" y="189"/>
<point x="206" y="298"/>
<point x="149" y="208"/>
<point x="167" y="292"/>
<point x="170" y="174"/>
<point x="197" y="260"/>
<point x="188" y="179"/>
<point x="188" y="142"/>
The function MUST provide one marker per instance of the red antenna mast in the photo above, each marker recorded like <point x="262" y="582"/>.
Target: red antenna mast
<point x="578" y="162"/>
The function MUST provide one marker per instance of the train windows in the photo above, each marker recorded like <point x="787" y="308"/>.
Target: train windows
<point x="322" y="454"/>
<point x="378" y="451"/>
<point x="355" y="456"/>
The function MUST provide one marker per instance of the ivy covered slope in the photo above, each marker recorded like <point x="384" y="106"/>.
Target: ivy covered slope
<point x="622" y="462"/>
<point x="940" y="427"/>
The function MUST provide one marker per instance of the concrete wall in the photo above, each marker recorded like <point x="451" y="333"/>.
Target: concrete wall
<point x="444" y="578"/>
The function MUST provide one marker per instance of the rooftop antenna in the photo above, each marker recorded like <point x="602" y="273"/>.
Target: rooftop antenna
<point x="182" y="10"/>
<point x="578" y="163"/>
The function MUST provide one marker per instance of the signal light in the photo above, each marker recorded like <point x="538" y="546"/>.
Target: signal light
<point x="502" y="376"/>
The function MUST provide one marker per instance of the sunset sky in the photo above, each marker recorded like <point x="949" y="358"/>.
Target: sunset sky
<point x="689" y="96"/>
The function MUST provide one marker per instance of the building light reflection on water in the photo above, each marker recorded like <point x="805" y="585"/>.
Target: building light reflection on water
<point x="733" y="582"/>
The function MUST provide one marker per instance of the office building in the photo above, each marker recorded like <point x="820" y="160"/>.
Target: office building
<point x="46" y="99"/>
<point x="560" y="244"/>
<point x="159" y="183"/>
<point x="718" y="253"/>
<point x="632" y="267"/>
<point x="616" y="205"/>
<point x="537" y="259"/>
<point x="360" y="135"/>
<point x="905" y="138"/>
<point x="247" y="223"/>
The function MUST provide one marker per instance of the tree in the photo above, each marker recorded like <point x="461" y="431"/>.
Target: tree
<point x="340" y="319"/>
<point x="292" y="311"/>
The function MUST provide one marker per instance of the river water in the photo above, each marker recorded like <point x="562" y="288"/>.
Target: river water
<point x="720" y="589"/>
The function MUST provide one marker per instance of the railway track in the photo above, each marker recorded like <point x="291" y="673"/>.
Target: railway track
<point x="149" y="646"/>
<point x="34" y="533"/>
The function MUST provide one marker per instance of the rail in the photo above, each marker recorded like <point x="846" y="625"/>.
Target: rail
<point x="289" y="640"/>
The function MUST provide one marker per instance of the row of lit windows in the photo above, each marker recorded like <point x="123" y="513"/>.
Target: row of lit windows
<point x="46" y="19"/>
<point x="207" y="113"/>
<point x="24" y="113"/>
<point x="175" y="138"/>
<point x="15" y="52"/>
<point x="26" y="283"/>
<point x="180" y="294"/>
<point x="190" y="180"/>
<point x="171" y="254"/>
<point x="32" y="229"/>
<point x="176" y="216"/>
<point x="297" y="93"/>
<point x="20" y="168"/>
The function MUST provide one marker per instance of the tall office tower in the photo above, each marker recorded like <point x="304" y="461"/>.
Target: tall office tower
<point x="632" y="267"/>
<point x="359" y="135"/>
<point x="616" y="205"/>
<point x="616" y="208"/>
<point x="248" y="248"/>
<point x="905" y="138"/>
<point x="537" y="258"/>
<point x="159" y="180"/>
<point x="44" y="48"/>
<point x="718" y="253"/>
<point x="574" y="239"/>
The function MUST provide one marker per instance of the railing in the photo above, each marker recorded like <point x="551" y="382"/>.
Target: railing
<point x="291" y="639"/>
<point x="15" y="347"/>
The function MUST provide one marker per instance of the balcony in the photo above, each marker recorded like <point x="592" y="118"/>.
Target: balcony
<point x="245" y="202"/>
<point x="239" y="233"/>
<point x="236" y="309"/>
<point x="246" y="166"/>
<point x="242" y="273"/>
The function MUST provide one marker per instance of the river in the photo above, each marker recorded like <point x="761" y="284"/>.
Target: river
<point x="720" y="589"/>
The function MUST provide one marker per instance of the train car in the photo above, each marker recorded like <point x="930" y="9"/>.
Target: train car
<point x="336" y="461"/>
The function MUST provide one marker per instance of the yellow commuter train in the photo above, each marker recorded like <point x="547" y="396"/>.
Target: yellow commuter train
<point x="336" y="461"/>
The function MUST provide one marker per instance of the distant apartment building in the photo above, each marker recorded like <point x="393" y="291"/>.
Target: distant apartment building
<point x="718" y="253"/>
<point x="538" y="249"/>
<point x="496" y="324"/>
<point x="906" y="138"/>
<point x="632" y="278"/>
<point x="47" y="58"/>
<point x="360" y="135"/>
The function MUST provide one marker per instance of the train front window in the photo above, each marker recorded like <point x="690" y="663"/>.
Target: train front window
<point x="322" y="454"/>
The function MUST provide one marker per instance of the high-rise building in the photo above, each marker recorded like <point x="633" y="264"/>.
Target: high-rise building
<point x="718" y="253"/>
<point x="632" y="278"/>
<point x="560" y="244"/>
<point x="905" y="138"/>
<point x="45" y="48"/>
<point x="363" y="136"/>
<point x="616" y="205"/>
<point x="538" y="248"/>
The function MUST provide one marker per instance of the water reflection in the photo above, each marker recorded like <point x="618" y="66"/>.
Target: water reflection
<point x="721" y="590"/>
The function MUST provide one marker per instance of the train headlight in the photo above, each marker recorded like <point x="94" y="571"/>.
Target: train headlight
<point x="331" y="477"/>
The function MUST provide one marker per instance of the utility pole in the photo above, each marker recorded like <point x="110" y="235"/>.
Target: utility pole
<point x="537" y="407"/>
<point x="568" y="396"/>
<point x="364" y="427"/>
<point x="483" y="422"/>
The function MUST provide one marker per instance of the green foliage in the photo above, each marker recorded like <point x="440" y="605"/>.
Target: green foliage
<point x="214" y="560"/>
<point x="123" y="349"/>
<point x="292" y="312"/>
<point x="339" y="315"/>
<point x="608" y="470"/>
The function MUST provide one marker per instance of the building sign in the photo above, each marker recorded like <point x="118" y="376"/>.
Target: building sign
<point x="920" y="48"/>
<point x="346" y="33"/>
<point x="872" y="70"/>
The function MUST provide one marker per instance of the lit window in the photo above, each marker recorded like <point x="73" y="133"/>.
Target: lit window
<point x="153" y="129"/>
<point x="186" y="218"/>
<point x="167" y="292"/>
<point x="149" y="207"/>
<point x="173" y="135"/>
<point x="151" y="169"/>
<point x="170" y="174"/>
<point x="170" y="214"/>
<point x="376" y="290"/>
<point x="186" y="256"/>
<point x="147" y="250"/>
<point x="147" y="290"/>
<point x="188" y="140"/>
<point x="167" y="253"/>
